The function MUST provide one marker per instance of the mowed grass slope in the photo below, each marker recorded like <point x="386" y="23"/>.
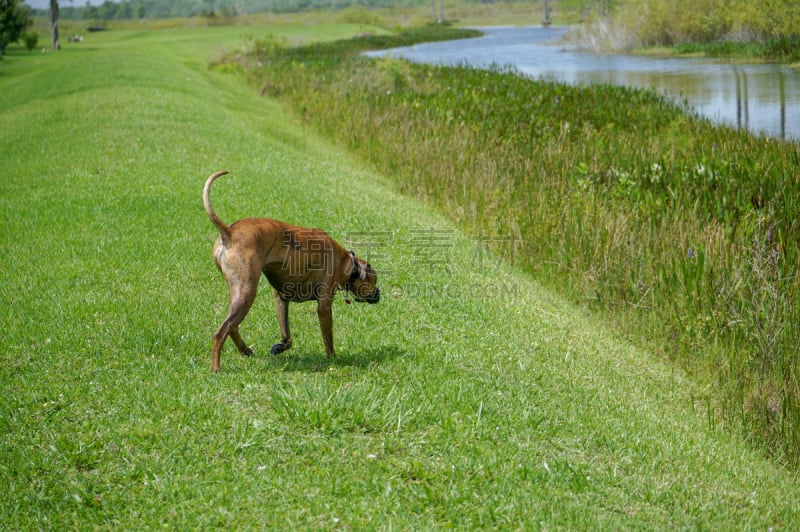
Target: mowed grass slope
<point x="469" y="397"/>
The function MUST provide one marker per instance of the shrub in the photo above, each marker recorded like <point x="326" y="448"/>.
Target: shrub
<point x="360" y="15"/>
<point x="30" y="39"/>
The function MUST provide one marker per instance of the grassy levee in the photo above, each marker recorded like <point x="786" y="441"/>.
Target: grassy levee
<point x="470" y="397"/>
<point x="681" y="232"/>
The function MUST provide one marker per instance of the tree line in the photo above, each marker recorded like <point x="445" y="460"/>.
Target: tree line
<point x="154" y="9"/>
<point x="632" y="22"/>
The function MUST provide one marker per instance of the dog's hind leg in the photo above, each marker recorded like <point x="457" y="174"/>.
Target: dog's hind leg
<point x="240" y="345"/>
<point x="241" y="301"/>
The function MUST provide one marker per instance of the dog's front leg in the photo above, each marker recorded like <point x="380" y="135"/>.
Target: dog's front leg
<point x="282" y="306"/>
<point x="326" y="324"/>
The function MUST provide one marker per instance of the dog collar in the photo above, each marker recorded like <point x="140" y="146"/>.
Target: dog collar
<point x="356" y="273"/>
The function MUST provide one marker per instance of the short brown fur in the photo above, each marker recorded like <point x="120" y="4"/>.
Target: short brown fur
<point x="301" y="264"/>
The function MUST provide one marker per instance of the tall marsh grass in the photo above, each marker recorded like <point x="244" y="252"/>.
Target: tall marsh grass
<point x="684" y="233"/>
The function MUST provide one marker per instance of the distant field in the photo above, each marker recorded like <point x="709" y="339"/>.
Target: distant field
<point x="470" y="397"/>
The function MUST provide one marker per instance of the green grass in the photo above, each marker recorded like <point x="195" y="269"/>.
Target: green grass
<point x="470" y="397"/>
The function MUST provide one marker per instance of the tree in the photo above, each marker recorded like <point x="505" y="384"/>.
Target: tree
<point x="108" y="10"/>
<point x="90" y="12"/>
<point x="440" y="17"/>
<point x="54" y="24"/>
<point x="13" y="22"/>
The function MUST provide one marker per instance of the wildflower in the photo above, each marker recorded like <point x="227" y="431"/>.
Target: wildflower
<point x="690" y="253"/>
<point x="700" y="169"/>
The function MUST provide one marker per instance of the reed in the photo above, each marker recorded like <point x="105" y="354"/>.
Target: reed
<point x="685" y="234"/>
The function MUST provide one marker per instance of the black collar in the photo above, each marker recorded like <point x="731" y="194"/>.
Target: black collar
<point x="356" y="273"/>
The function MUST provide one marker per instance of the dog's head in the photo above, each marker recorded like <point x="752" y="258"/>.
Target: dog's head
<point x="363" y="282"/>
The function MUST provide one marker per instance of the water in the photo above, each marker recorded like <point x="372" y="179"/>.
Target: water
<point x="762" y="98"/>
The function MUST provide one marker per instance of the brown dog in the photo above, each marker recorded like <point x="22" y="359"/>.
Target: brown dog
<point x="301" y="265"/>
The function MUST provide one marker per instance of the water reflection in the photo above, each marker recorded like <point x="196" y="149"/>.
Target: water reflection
<point x="761" y="98"/>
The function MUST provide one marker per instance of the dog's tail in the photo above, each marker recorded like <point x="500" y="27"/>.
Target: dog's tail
<point x="223" y="228"/>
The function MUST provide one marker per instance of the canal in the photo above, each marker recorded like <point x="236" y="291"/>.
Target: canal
<point x="763" y="98"/>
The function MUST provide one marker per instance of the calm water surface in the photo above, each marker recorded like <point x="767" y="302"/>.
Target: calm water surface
<point x="761" y="98"/>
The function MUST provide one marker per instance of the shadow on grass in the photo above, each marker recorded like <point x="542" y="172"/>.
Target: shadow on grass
<point x="41" y="50"/>
<point x="300" y="361"/>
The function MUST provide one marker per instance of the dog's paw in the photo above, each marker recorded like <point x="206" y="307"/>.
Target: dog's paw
<point x="279" y="348"/>
<point x="247" y="352"/>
